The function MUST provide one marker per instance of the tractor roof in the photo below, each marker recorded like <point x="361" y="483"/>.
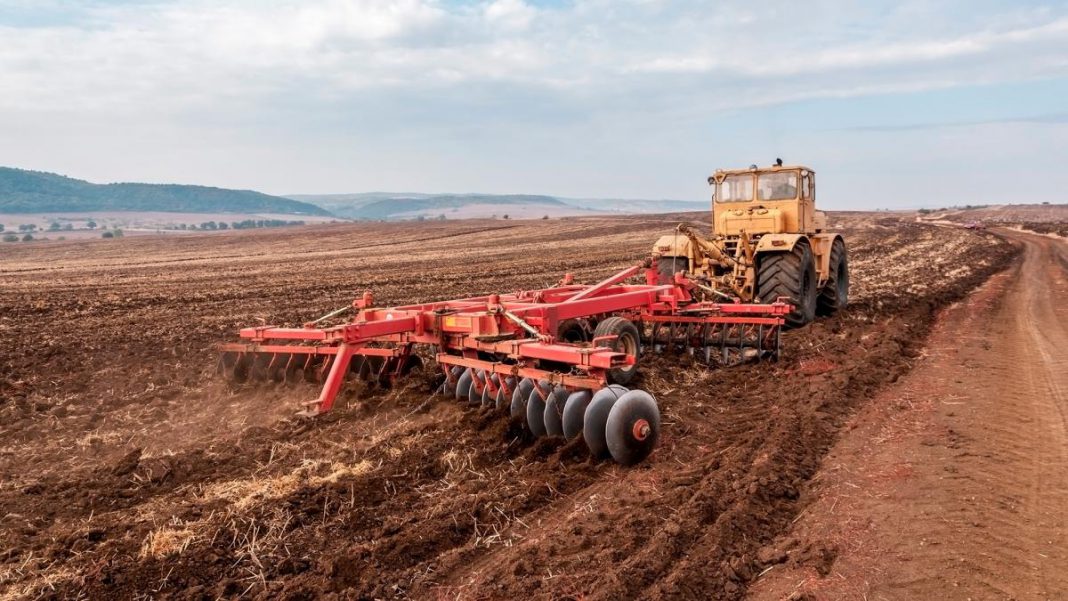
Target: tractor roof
<point x="754" y="169"/>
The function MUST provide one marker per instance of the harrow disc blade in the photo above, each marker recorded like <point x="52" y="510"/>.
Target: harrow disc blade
<point x="536" y="408"/>
<point x="503" y="399"/>
<point x="595" y="419"/>
<point x="260" y="363"/>
<point x="242" y="367"/>
<point x="574" y="409"/>
<point x="487" y="396"/>
<point x="276" y="370"/>
<point x="294" y="371"/>
<point x="554" y="412"/>
<point x="478" y="386"/>
<point x="448" y="388"/>
<point x="463" y="385"/>
<point x="633" y="427"/>
<point x="518" y="409"/>
<point x="227" y="360"/>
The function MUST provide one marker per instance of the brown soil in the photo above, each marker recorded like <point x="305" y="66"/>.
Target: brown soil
<point x="952" y="484"/>
<point x="127" y="470"/>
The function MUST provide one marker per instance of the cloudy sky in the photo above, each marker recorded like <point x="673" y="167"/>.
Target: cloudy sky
<point x="895" y="104"/>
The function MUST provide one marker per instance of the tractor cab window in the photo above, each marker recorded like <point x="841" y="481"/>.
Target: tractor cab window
<point x="736" y="188"/>
<point x="777" y="186"/>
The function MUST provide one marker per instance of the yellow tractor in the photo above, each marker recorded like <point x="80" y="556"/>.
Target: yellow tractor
<point x="767" y="241"/>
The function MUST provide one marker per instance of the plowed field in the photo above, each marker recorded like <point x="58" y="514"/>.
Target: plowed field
<point x="128" y="471"/>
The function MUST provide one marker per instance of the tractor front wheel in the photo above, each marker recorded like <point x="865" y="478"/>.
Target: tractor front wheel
<point x="790" y="274"/>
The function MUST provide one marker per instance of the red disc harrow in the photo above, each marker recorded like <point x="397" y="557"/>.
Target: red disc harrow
<point x="558" y="358"/>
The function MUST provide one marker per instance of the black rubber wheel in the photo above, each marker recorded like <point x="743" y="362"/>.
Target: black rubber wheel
<point x="633" y="427"/>
<point x="554" y="411"/>
<point x="835" y="292"/>
<point x="536" y="408"/>
<point x="573" y="331"/>
<point x="595" y="421"/>
<point x="574" y="409"/>
<point x="503" y="400"/>
<point x="791" y="274"/>
<point x="463" y="385"/>
<point x="518" y="408"/>
<point x="667" y="267"/>
<point x="627" y="341"/>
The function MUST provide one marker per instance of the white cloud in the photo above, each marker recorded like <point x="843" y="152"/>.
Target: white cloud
<point x="426" y="76"/>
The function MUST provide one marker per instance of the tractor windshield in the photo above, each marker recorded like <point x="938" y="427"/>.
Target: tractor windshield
<point x="736" y="188"/>
<point x="777" y="186"/>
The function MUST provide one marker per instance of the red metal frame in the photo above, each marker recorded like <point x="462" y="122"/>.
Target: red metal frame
<point x="518" y="329"/>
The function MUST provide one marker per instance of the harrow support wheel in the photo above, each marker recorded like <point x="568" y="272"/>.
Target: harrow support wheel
<point x="626" y="341"/>
<point x="554" y="411"/>
<point x="633" y="427"/>
<point x="518" y="408"/>
<point x="595" y="419"/>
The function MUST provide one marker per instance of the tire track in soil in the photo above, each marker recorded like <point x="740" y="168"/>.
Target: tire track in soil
<point x="962" y="496"/>
<point x="381" y="499"/>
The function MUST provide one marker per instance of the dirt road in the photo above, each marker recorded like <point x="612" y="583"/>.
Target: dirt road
<point x="953" y="483"/>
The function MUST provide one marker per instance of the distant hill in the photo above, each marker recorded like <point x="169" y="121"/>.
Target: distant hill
<point x="410" y="205"/>
<point x="24" y="191"/>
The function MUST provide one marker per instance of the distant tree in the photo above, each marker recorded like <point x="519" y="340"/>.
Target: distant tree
<point x="107" y="235"/>
<point x="421" y="218"/>
<point x="27" y="238"/>
<point x="924" y="211"/>
<point x="441" y="217"/>
<point x="209" y="225"/>
<point x="27" y="227"/>
<point x="545" y="217"/>
<point x="90" y="224"/>
<point x="223" y="225"/>
<point x="11" y="238"/>
<point x="117" y="233"/>
<point x="1" y="227"/>
<point x="1045" y="202"/>
<point x="506" y="216"/>
<point x="68" y="227"/>
<point x="54" y="226"/>
<point x="62" y="238"/>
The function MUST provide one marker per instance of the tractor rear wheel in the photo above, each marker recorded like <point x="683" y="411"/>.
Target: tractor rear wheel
<point x="835" y="293"/>
<point x="667" y="267"/>
<point x="627" y="341"/>
<point x="790" y="274"/>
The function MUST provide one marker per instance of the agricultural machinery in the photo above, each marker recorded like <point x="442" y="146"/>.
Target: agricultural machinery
<point x="557" y="359"/>
<point x="768" y="241"/>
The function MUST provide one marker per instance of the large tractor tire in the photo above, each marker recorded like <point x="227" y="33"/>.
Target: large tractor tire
<point x="667" y="267"/>
<point x="835" y="293"/>
<point x="627" y="341"/>
<point x="791" y="274"/>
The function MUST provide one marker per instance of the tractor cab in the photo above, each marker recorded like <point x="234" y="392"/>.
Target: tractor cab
<point x="769" y="200"/>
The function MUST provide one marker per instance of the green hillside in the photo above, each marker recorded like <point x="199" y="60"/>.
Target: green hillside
<point x="24" y="191"/>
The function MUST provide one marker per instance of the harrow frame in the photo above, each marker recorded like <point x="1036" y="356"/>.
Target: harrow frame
<point x="512" y="335"/>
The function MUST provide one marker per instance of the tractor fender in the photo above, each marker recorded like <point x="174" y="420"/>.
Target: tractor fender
<point x="777" y="243"/>
<point x="672" y="245"/>
<point x="821" y="249"/>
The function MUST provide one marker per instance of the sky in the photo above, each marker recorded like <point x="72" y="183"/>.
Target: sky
<point x="895" y="104"/>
